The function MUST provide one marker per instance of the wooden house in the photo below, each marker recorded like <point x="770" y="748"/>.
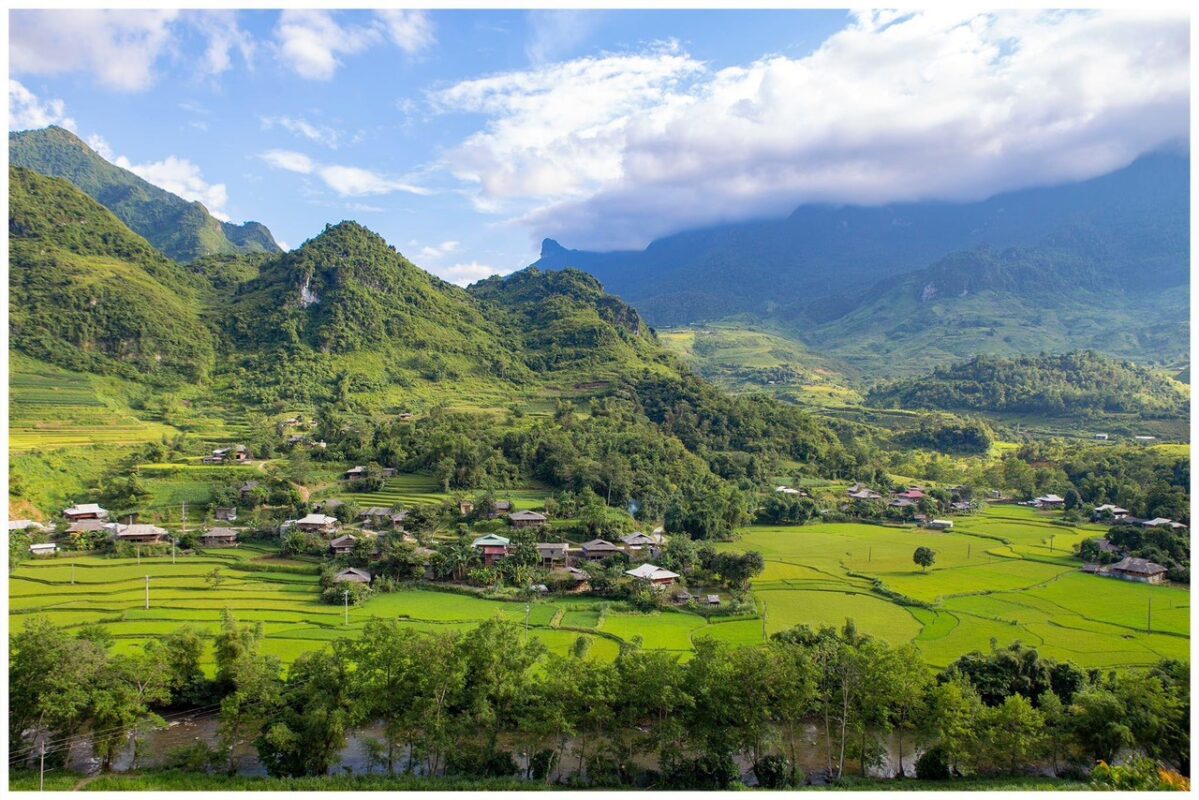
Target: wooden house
<point x="219" y="537"/>
<point x="1138" y="569"/>
<point x="352" y="575"/>
<point x="226" y="514"/>
<point x="598" y="549"/>
<point x="527" y="519"/>
<point x="552" y="553"/>
<point x="343" y="545"/>
<point x="140" y="534"/>
<point x="43" y="549"/>
<point x="85" y="511"/>
<point x="317" y="523"/>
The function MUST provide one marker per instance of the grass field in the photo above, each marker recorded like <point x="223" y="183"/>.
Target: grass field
<point x="1003" y="576"/>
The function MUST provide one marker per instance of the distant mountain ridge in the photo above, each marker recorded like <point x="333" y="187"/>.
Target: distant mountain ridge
<point x="181" y="229"/>
<point x="820" y="253"/>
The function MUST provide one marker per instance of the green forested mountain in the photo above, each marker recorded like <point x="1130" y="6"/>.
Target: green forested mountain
<point x="1072" y="291"/>
<point x="1074" y="383"/>
<point x="183" y="230"/>
<point x="88" y="294"/>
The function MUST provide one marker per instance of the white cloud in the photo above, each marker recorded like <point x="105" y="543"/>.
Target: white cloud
<point x="467" y="273"/>
<point x="410" y="30"/>
<point x="345" y="181"/>
<point x="121" y="49"/>
<point x="101" y="146"/>
<point x="224" y="35"/>
<point x="182" y="177"/>
<point x="357" y="182"/>
<point x="322" y="134"/>
<point x="288" y="160"/>
<point x="612" y="151"/>
<point x="433" y="253"/>
<point x="26" y="111"/>
<point x="560" y="131"/>
<point x="312" y="42"/>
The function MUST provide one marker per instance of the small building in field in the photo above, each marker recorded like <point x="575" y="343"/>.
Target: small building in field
<point x="247" y="488"/>
<point x="1144" y="438"/>
<point x="85" y="511"/>
<point x="87" y="526"/>
<point x="552" y="553"/>
<point x="1049" y="501"/>
<point x="389" y="472"/>
<point x="343" y="545"/>
<point x="1138" y="569"/>
<point x="354" y="472"/>
<point x="640" y="545"/>
<point x="914" y="494"/>
<point x="1101" y="437"/>
<point x="1160" y="522"/>
<point x="598" y="549"/>
<point x="681" y="596"/>
<point x="219" y="537"/>
<point x="465" y="507"/>
<point x="226" y="514"/>
<point x="1109" y="511"/>
<point x="940" y="524"/>
<point x="397" y="518"/>
<point x="527" y="519"/>
<point x="789" y="491"/>
<point x="653" y="575"/>
<point x="863" y="495"/>
<point x="502" y="508"/>
<point x="902" y="502"/>
<point x="712" y="600"/>
<point x="43" y="549"/>
<point x="24" y="525"/>
<point x="317" y="523"/>
<point x="140" y="534"/>
<point x="352" y="575"/>
<point x="493" y="548"/>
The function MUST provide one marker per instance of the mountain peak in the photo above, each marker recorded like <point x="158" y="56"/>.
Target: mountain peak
<point x="550" y="247"/>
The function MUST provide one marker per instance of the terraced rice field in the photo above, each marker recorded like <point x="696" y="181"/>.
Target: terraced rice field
<point x="410" y="490"/>
<point x="78" y="590"/>
<point x="1002" y="576"/>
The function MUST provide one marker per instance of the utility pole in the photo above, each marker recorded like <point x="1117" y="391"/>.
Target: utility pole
<point x="72" y="574"/>
<point x="183" y="518"/>
<point x="1051" y="538"/>
<point x="528" y="610"/>
<point x="870" y="554"/>
<point x="968" y="545"/>
<point x="346" y="595"/>
<point x="139" y="553"/>
<point x="147" y="592"/>
<point x="1149" y="620"/>
<point x="41" y="777"/>
<point x="172" y="549"/>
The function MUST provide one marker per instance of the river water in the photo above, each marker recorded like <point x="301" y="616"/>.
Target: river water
<point x="353" y="759"/>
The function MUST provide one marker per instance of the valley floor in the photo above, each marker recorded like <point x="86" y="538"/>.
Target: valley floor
<point x="1002" y="576"/>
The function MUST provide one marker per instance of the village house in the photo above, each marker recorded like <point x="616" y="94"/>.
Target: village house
<point x="397" y="518"/>
<point x="352" y="575"/>
<point x="552" y="553"/>
<point x="343" y="545"/>
<point x="863" y="494"/>
<point x="500" y="509"/>
<point x="579" y="576"/>
<point x="914" y="494"/>
<point x="682" y="596"/>
<point x="388" y="472"/>
<point x="493" y="548"/>
<point x="961" y="507"/>
<point x="44" y="549"/>
<point x="24" y="525"/>
<point x="139" y="534"/>
<point x="527" y="519"/>
<point x="598" y="549"/>
<point x="247" y="488"/>
<point x="1101" y="437"/>
<point x="639" y="545"/>
<point x="219" y="537"/>
<point x="87" y="526"/>
<point x="1109" y="511"/>
<point x="1049" y="501"/>
<point x="375" y="515"/>
<point x="940" y="524"/>
<point x="788" y="490"/>
<point x="317" y="523"/>
<point x="1158" y="522"/>
<point x="1138" y="569"/>
<point x="465" y="507"/>
<point x="902" y="502"/>
<point x="354" y="472"/>
<point x="226" y="514"/>
<point x="713" y="599"/>
<point x="653" y="575"/>
<point x="84" y="511"/>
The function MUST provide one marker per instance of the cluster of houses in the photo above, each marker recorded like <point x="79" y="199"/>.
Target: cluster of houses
<point x="910" y="498"/>
<point x="1109" y="512"/>
<point x="92" y="518"/>
<point x="237" y="454"/>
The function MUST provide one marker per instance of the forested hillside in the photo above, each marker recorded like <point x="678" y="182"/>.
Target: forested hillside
<point x="1073" y="383"/>
<point x="182" y="230"/>
<point x="88" y="294"/>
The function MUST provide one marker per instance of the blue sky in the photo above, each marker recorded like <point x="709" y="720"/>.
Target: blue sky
<point x="463" y="137"/>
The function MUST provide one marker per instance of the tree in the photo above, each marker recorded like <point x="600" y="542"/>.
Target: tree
<point x="925" y="557"/>
<point x="1099" y="723"/>
<point x="1013" y="733"/>
<point x="1073" y="499"/>
<point x="309" y="728"/>
<point x="214" y="578"/>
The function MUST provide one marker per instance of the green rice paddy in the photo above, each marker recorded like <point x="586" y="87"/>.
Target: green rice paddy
<point x="1000" y="577"/>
